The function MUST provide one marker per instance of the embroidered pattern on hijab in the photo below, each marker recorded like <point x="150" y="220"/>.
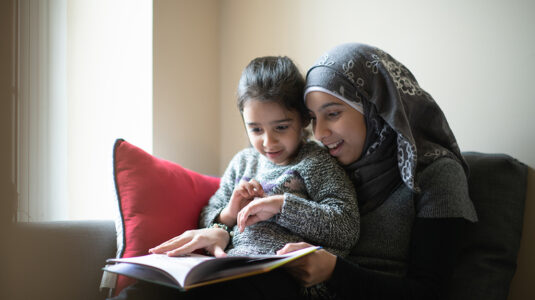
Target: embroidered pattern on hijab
<point x="400" y="114"/>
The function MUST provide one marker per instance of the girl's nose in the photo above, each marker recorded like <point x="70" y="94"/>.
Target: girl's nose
<point x="269" y="139"/>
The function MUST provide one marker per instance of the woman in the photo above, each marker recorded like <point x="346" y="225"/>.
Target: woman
<point x="410" y="178"/>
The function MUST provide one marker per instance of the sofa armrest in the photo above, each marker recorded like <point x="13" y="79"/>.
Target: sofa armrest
<point x="60" y="260"/>
<point x="489" y="253"/>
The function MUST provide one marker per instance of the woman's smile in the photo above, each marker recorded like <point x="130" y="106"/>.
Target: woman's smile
<point x="334" y="148"/>
<point x="340" y="127"/>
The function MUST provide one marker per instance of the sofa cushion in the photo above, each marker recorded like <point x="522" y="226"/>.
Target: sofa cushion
<point x="487" y="262"/>
<point x="57" y="260"/>
<point x="157" y="199"/>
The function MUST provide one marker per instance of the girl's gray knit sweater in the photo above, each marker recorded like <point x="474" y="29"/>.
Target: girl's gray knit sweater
<point x="319" y="202"/>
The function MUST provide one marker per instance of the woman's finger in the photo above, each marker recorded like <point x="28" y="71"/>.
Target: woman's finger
<point x="189" y="247"/>
<point x="291" y="247"/>
<point x="219" y="252"/>
<point x="171" y="244"/>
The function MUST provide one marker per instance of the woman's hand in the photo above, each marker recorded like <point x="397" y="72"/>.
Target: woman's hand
<point x="310" y="269"/>
<point x="213" y="240"/>
<point x="258" y="210"/>
<point x="242" y="195"/>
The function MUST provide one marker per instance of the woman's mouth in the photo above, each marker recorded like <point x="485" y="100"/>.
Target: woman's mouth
<point x="334" y="148"/>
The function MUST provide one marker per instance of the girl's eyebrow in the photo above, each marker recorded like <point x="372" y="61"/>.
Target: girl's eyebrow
<point x="272" y="122"/>
<point x="282" y="121"/>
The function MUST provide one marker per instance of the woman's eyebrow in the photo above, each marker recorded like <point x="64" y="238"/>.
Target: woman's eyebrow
<point x="327" y="105"/>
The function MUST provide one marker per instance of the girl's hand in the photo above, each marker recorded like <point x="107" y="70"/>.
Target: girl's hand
<point x="244" y="193"/>
<point x="213" y="240"/>
<point x="310" y="269"/>
<point x="258" y="210"/>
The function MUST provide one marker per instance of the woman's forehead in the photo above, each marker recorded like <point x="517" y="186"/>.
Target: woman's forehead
<point x="319" y="101"/>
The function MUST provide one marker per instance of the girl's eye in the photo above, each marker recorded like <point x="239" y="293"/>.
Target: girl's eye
<point x="282" y="127"/>
<point x="255" y="130"/>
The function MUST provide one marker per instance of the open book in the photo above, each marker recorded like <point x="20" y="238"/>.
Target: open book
<point x="194" y="270"/>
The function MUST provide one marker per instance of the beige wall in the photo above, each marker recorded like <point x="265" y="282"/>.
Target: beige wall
<point x="474" y="57"/>
<point x="7" y="127"/>
<point x="186" y="83"/>
<point x="7" y="122"/>
<point x="6" y="108"/>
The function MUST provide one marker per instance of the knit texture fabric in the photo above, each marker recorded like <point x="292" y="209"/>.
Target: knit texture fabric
<point x="319" y="202"/>
<point x="385" y="235"/>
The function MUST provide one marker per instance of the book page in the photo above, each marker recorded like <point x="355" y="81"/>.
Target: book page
<point x="177" y="267"/>
<point x="233" y="267"/>
<point x="195" y="270"/>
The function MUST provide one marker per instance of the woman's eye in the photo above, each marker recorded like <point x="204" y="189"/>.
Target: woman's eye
<point x="333" y="114"/>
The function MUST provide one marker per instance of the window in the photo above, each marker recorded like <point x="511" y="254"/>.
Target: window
<point x="84" y="79"/>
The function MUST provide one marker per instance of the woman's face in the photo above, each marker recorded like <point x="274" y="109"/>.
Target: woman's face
<point x="341" y="128"/>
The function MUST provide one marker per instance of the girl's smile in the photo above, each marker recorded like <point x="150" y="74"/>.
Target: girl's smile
<point x="274" y="131"/>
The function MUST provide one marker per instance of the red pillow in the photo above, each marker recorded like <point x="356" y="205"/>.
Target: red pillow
<point x="158" y="200"/>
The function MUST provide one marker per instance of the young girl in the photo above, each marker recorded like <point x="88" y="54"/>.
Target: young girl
<point x="283" y="189"/>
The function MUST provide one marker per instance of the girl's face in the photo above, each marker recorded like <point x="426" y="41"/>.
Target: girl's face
<point x="273" y="130"/>
<point x="341" y="128"/>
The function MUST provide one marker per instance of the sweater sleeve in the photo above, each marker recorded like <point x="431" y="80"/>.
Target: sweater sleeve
<point x="330" y="216"/>
<point x="222" y="196"/>
<point x="434" y="248"/>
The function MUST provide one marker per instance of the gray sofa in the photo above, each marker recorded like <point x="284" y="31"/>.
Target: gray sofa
<point x="63" y="260"/>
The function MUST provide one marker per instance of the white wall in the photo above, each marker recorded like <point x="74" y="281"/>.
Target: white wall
<point x="186" y="83"/>
<point x="474" y="57"/>
<point x="109" y="72"/>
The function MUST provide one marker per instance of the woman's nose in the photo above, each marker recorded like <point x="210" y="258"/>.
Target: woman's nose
<point x="320" y="130"/>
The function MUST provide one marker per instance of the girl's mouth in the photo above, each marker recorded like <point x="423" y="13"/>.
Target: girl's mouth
<point x="273" y="155"/>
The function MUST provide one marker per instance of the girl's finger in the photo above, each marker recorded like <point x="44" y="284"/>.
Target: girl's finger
<point x="258" y="190"/>
<point x="251" y="220"/>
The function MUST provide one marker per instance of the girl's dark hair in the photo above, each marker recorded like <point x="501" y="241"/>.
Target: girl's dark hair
<point x="273" y="78"/>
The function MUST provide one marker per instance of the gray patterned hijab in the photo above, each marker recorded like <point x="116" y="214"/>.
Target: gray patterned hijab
<point x="406" y="129"/>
